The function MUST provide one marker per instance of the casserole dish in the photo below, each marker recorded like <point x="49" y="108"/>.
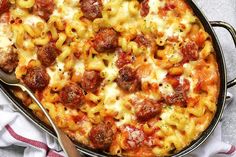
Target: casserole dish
<point x="221" y="100"/>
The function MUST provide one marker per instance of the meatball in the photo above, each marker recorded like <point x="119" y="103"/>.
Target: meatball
<point x="101" y="136"/>
<point x="133" y="137"/>
<point x="4" y="6"/>
<point x="146" y="41"/>
<point x="47" y="54"/>
<point x="144" y="8"/>
<point x="142" y="40"/>
<point x="44" y="8"/>
<point x="8" y="59"/>
<point x="148" y="109"/>
<point x="36" y="78"/>
<point x="190" y="51"/>
<point x="91" y="9"/>
<point x="105" y="40"/>
<point x="91" y="81"/>
<point x="179" y="97"/>
<point x="124" y="59"/>
<point x="72" y="96"/>
<point x="128" y="80"/>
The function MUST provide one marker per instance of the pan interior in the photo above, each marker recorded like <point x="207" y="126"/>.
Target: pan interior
<point x="196" y="143"/>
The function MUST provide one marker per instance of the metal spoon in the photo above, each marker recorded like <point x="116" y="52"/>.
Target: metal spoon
<point x="64" y="141"/>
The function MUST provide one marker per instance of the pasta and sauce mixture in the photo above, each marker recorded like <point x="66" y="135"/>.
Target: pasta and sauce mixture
<point x="127" y="77"/>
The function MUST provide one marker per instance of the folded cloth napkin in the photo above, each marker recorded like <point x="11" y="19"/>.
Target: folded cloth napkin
<point x="15" y="129"/>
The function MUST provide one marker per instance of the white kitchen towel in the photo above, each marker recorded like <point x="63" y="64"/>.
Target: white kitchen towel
<point x="15" y="129"/>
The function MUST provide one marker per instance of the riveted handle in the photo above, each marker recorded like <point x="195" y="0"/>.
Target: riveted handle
<point x="232" y="31"/>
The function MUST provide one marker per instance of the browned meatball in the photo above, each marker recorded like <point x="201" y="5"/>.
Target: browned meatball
<point x="142" y="40"/>
<point x="128" y="80"/>
<point x="91" y="9"/>
<point x="4" y="6"/>
<point x="144" y="8"/>
<point x="190" y="51"/>
<point x="72" y="96"/>
<point x="148" y="109"/>
<point x="146" y="41"/>
<point x="91" y="81"/>
<point x="101" y="136"/>
<point x="8" y="59"/>
<point x="44" y="8"/>
<point x="179" y="97"/>
<point x="36" y="78"/>
<point x="47" y="54"/>
<point x="124" y="58"/>
<point x="105" y="40"/>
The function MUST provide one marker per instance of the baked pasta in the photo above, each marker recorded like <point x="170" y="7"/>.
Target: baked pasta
<point x="126" y="77"/>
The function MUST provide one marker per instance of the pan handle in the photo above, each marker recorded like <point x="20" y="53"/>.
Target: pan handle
<point x="232" y="31"/>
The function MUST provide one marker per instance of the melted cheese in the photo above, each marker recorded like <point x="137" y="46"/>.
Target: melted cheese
<point x="153" y="13"/>
<point x="59" y="3"/>
<point x="167" y="113"/>
<point x="66" y="11"/>
<point x="4" y="30"/>
<point x="5" y="42"/>
<point x="188" y="18"/>
<point x="25" y="57"/>
<point x="190" y="71"/>
<point x="127" y="118"/>
<point x="105" y="1"/>
<point x="153" y="17"/>
<point x="111" y="92"/>
<point x="5" y="35"/>
<point x="57" y="74"/>
<point x="169" y="29"/>
<point x="158" y="74"/>
<point x="121" y="14"/>
<point x="79" y="67"/>
<point x="32" y="20"/>
<point x="114" y="102"/>
<point x="111" y="71"/>
<point x="110" y="99"/>
<point x="72" y="3"/>
<point x="166" y="89"/>
<point x="155" y="5"/>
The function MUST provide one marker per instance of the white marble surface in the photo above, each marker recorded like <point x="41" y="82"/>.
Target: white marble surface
<point x="224" y="10"/>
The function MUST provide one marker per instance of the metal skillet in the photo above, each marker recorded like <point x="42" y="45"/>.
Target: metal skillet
<point x="221" y="99"/>
<point x="64" y="141"/>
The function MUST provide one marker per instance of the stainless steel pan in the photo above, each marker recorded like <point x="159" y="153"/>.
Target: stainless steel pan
<point x="208" y="25"/>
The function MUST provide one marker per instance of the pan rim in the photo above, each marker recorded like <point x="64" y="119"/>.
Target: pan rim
<point x="195" y="144"/>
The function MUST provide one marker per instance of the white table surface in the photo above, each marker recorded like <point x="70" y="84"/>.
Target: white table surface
<point x="224" y="10"/>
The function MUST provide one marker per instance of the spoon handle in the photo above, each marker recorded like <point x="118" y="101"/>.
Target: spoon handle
<point x="64" y="141"/>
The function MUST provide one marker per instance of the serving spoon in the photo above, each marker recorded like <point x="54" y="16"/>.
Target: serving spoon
<point x="64" y="141"/>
